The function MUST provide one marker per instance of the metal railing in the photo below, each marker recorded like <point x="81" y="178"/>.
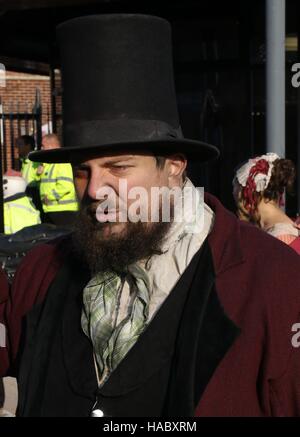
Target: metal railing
<point x="14" y="123"/>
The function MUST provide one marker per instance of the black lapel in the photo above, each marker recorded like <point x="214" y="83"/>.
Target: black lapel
<point x="205" y="335"/>
<point x="40" y="326"/>
<point x="77" y="348"/>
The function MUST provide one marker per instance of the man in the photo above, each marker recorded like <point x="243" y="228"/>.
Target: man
<point x="30" y="171"/>
<point x="147" y="310"/>
<point x="57" y="190"/>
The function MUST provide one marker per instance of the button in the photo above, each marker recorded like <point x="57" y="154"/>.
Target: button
<point x="97" y="413"/>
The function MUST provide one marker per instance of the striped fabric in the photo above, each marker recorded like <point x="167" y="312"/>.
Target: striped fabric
<point x="101" y="297"/>
<point x="287" y="239"/>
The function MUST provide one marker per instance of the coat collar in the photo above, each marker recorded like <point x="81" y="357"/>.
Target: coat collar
<point x="206" y="334"/>
<point x="225" y="237"/>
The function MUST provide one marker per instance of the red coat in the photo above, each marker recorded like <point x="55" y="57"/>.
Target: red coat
<point x="258" y="285"/>
<point x="296" y="245"/>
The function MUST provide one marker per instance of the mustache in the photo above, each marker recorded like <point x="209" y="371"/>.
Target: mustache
<point x="88" y="216"/>
<point x="102" y="211"/>
<point x="91" y="206"/>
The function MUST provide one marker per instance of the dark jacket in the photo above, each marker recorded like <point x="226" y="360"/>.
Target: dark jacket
<point x="253" y="371"/>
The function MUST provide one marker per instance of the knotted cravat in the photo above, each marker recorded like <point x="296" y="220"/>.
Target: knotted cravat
<point x="101" y="298"/>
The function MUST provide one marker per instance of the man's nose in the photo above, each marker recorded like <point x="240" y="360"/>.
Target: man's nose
<point x="99" y="179"/>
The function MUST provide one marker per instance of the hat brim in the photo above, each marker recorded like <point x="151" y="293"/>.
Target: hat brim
<point x="197" y="150"/>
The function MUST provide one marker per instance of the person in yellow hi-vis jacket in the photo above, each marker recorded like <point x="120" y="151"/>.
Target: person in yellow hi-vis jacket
<point x="57" y="189"/>
<point x="26" y="144"/>
<point x="30" y="171"/>
<point x="19" y="211"/>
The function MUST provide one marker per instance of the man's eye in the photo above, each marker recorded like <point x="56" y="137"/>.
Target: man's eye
<point x="121" y="167"/>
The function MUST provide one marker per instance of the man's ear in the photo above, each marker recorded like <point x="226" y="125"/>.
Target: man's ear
<point x="176" y="165"/>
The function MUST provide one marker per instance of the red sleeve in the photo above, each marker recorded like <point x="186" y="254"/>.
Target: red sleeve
<point x="29" y="287"/>
<point x="296" y="245"/>
<point x="285" y="390"/>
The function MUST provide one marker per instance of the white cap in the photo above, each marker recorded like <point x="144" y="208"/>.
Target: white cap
<point x="13" y="185"/>
<point x="261" y="180"/>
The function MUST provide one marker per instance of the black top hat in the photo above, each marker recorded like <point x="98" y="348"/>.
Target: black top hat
<point x="118" y="89"/>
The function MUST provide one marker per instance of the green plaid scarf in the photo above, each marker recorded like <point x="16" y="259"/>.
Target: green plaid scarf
<point x="101" y="297"/>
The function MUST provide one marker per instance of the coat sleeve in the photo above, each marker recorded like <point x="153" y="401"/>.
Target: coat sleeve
<point x="29" y="288"/>
<point x="285" y="390"/>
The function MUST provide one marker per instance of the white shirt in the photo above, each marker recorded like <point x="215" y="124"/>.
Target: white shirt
<point x="183" y="240"/>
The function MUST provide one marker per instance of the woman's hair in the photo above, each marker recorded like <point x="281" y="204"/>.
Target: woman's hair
<point x="282" y="178"/>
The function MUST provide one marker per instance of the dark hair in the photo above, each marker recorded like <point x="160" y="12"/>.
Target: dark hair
<point x="25" y="140"/>
<point x="282" y="178"/>
<point x="160" y="162"/>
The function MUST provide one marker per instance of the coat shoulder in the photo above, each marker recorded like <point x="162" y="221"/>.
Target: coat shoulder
<point x="267" y="254"/>
<point x="36" y="272"/>
<point x="52" y="252"/>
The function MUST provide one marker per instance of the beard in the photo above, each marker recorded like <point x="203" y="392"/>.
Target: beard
<point x="109" y="251"/>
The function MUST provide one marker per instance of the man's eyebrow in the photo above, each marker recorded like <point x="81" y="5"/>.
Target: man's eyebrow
<point x="110" y="161"/>
<point x="119" y="159"/>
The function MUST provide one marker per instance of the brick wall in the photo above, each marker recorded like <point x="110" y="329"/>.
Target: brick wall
<point x="19" y="96"/>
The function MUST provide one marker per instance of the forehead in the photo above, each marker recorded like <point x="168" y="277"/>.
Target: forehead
<point x="113" y="157"/>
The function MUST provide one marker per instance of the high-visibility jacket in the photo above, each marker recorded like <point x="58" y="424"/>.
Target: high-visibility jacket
<point x="19" y="212"/>
<point x="57" y="189"/>
<point x="29" y="171"/>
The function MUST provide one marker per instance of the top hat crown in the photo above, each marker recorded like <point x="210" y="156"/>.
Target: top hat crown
<point x="118" y="88"/>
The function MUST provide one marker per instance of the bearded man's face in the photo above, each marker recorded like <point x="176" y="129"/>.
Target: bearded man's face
<point x="119" y="221"/>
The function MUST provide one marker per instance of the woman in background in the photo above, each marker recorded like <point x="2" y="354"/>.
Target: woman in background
<point x="258" y="188"/>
